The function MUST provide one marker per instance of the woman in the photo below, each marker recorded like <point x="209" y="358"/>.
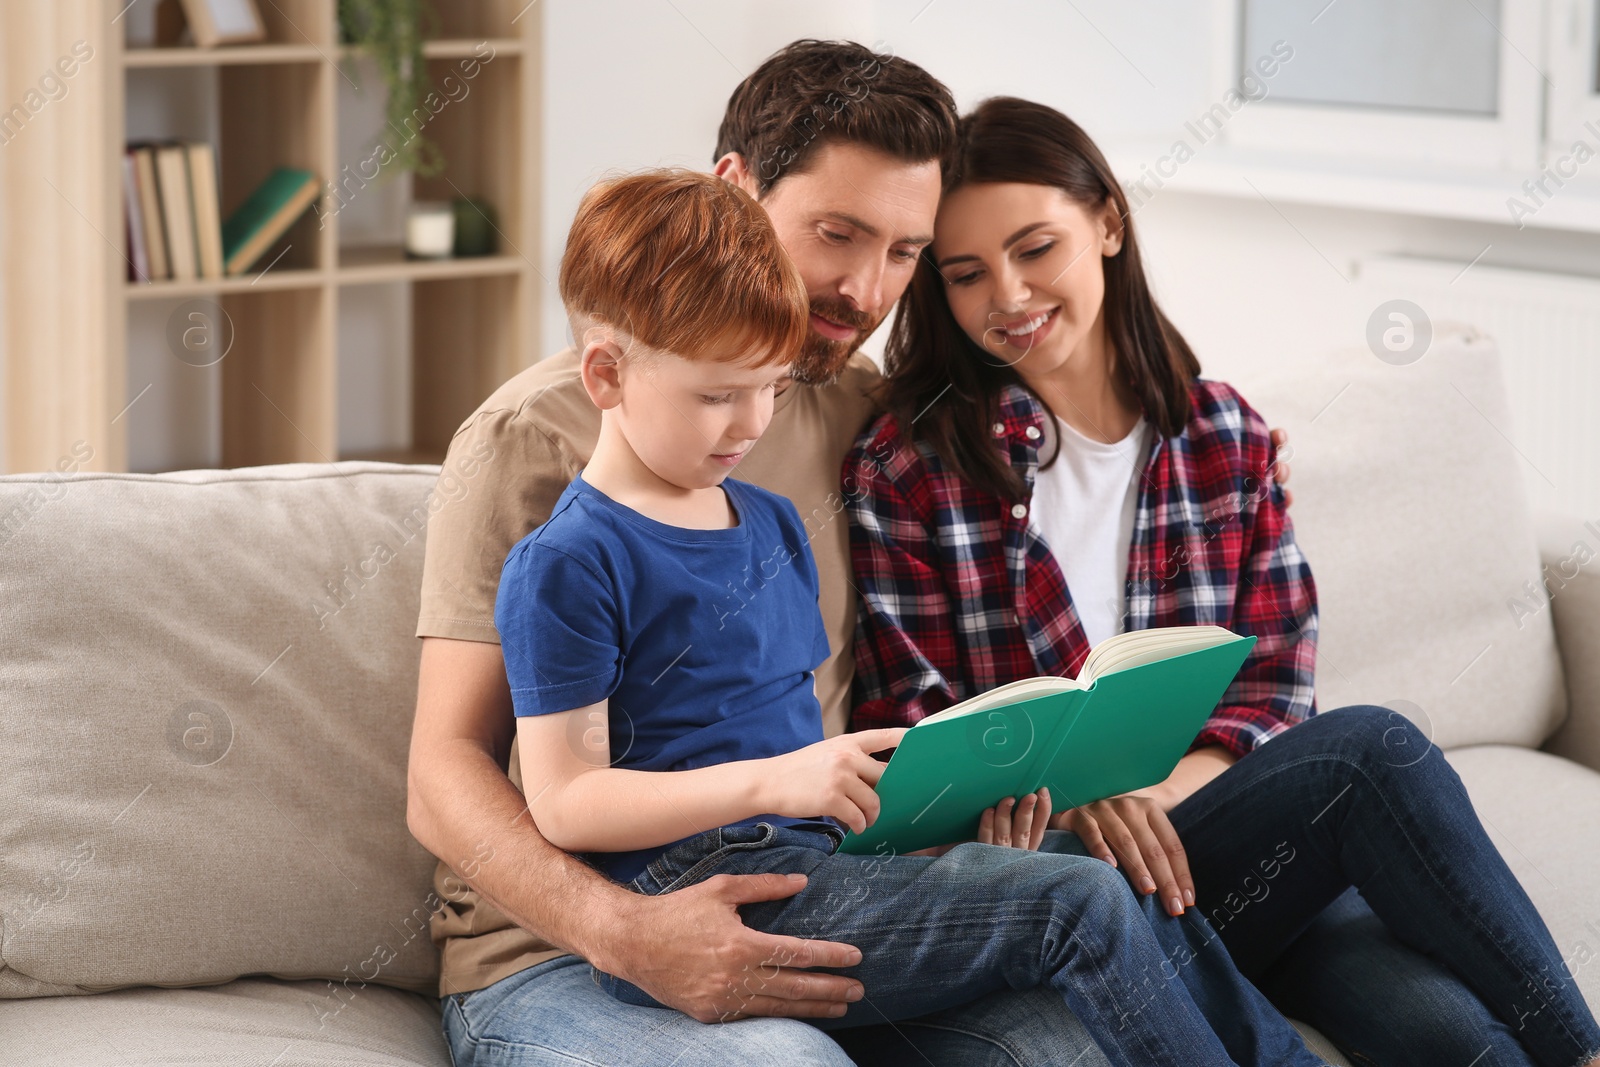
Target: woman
<point x="1038" y="399"/>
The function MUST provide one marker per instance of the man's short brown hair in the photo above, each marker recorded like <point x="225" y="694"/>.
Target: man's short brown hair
<point x="811" y="93"/>
<point x="687" y="263"/>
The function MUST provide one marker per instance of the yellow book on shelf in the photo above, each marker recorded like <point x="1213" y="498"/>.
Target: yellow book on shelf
<point x="172" y="171"/>
<point x="155" y="235"/>
<point x="207" y="215"/>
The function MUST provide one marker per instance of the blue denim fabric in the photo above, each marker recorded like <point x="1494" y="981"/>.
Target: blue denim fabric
<point x="1376" y="992"/>
<point x="937" y="932"/>
<point x="554" y="1015"/>
<point x="1394" y="926"/>
<point x="1328" y="960"/>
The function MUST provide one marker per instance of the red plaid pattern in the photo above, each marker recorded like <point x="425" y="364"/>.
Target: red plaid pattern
<point x="959" y="593"/>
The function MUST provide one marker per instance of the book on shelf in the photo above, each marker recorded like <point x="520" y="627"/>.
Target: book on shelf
<point x="1140" y="700"/>
<point x="138" y="252"/>
<point x="150" y="224"/>
<point x="177" y="212"/>
<point x="266" y="216"/>
<point x="207" y="213"/>
<point x="174" y="219"/>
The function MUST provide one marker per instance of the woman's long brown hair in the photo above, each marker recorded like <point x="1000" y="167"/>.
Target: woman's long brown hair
<point x="944" y="389"/>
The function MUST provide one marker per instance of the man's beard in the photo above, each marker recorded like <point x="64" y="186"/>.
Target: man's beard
<point x="822" y="360"/>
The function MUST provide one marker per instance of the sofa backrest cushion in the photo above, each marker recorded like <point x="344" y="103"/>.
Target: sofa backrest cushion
<point x="206" y="695"/>
<point x="1410" y="506"/>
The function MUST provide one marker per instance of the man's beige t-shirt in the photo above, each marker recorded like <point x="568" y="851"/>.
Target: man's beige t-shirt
<point x="505" y="468"/>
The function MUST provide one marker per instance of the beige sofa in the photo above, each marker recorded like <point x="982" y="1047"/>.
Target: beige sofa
<point x="207" y="682"/>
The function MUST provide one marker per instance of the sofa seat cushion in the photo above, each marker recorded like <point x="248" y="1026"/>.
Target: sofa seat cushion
<point x="252" y="1020"/>
<point x="1539" y="810"/>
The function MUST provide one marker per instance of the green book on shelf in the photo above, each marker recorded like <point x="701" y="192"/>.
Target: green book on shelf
<point x="1123" y="724"/>
<point x="265" y="216"/>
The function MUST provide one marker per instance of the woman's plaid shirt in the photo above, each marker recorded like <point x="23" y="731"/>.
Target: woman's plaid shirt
<point x="959" y="593"/>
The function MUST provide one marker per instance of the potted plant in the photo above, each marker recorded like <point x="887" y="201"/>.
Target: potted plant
<point x="392" y="32"/>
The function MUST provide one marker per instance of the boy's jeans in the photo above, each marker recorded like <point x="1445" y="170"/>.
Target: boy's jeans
<point x="936" y="932"/>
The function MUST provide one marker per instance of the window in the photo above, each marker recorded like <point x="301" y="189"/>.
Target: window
<point x="1442" y="82"/>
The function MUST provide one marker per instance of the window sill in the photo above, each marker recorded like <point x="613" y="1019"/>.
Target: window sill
<point x="1456" y="193"/>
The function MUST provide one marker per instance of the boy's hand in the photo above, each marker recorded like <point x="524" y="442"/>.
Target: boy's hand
<point x="833" y="777"/>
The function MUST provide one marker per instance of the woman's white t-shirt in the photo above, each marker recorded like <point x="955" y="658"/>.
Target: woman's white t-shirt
<point x="1083" y="506"/>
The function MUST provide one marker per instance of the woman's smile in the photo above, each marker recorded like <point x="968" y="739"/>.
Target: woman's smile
<point x="1026" y="333"/>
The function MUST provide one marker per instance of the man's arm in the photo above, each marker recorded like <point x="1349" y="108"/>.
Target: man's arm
<point x="689" y="949"/>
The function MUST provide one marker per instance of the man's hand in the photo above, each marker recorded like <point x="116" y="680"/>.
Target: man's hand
<point x="1134" y="829"/>
<point x="690" y="950"/>
<point x="1280" y="470"/>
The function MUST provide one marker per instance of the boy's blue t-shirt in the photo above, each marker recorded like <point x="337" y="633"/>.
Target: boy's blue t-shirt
<point x="703" y="640"/>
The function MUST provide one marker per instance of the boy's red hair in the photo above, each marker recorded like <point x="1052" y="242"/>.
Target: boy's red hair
<point x="688" y="263"/>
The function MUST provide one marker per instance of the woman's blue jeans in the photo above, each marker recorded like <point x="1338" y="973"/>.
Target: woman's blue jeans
<point x="1347" y="873"/>
<point x="1413" y="943"/>
<point x="937" y="932"/>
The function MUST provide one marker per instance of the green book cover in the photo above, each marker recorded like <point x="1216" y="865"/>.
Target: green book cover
<point x="1141" y="700"/>
<point x="263" y="218"/>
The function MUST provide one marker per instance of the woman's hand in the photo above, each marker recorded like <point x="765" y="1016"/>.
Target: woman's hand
<point x="1135" y="830"/>
<point x="1014" y="823"/>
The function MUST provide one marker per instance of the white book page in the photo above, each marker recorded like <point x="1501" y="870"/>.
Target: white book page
<point x="1119" y="652"/>
<point x="1010" y="693"/>
<point x="1127" y="650"/>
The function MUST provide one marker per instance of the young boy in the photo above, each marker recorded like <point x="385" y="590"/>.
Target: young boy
<point x="660" y="631"/>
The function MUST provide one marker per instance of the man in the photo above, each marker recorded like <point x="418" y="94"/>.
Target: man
<point x="842" y="147"/>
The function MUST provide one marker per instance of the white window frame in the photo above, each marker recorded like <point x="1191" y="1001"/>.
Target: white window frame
<point x="1574" y="102"/>
<point x="1510" y="140"/>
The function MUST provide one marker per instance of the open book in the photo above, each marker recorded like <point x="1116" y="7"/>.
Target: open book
<point x="1122" y="724"/>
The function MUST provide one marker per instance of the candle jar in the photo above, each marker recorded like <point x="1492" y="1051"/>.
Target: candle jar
<point x="430" y="230"/>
